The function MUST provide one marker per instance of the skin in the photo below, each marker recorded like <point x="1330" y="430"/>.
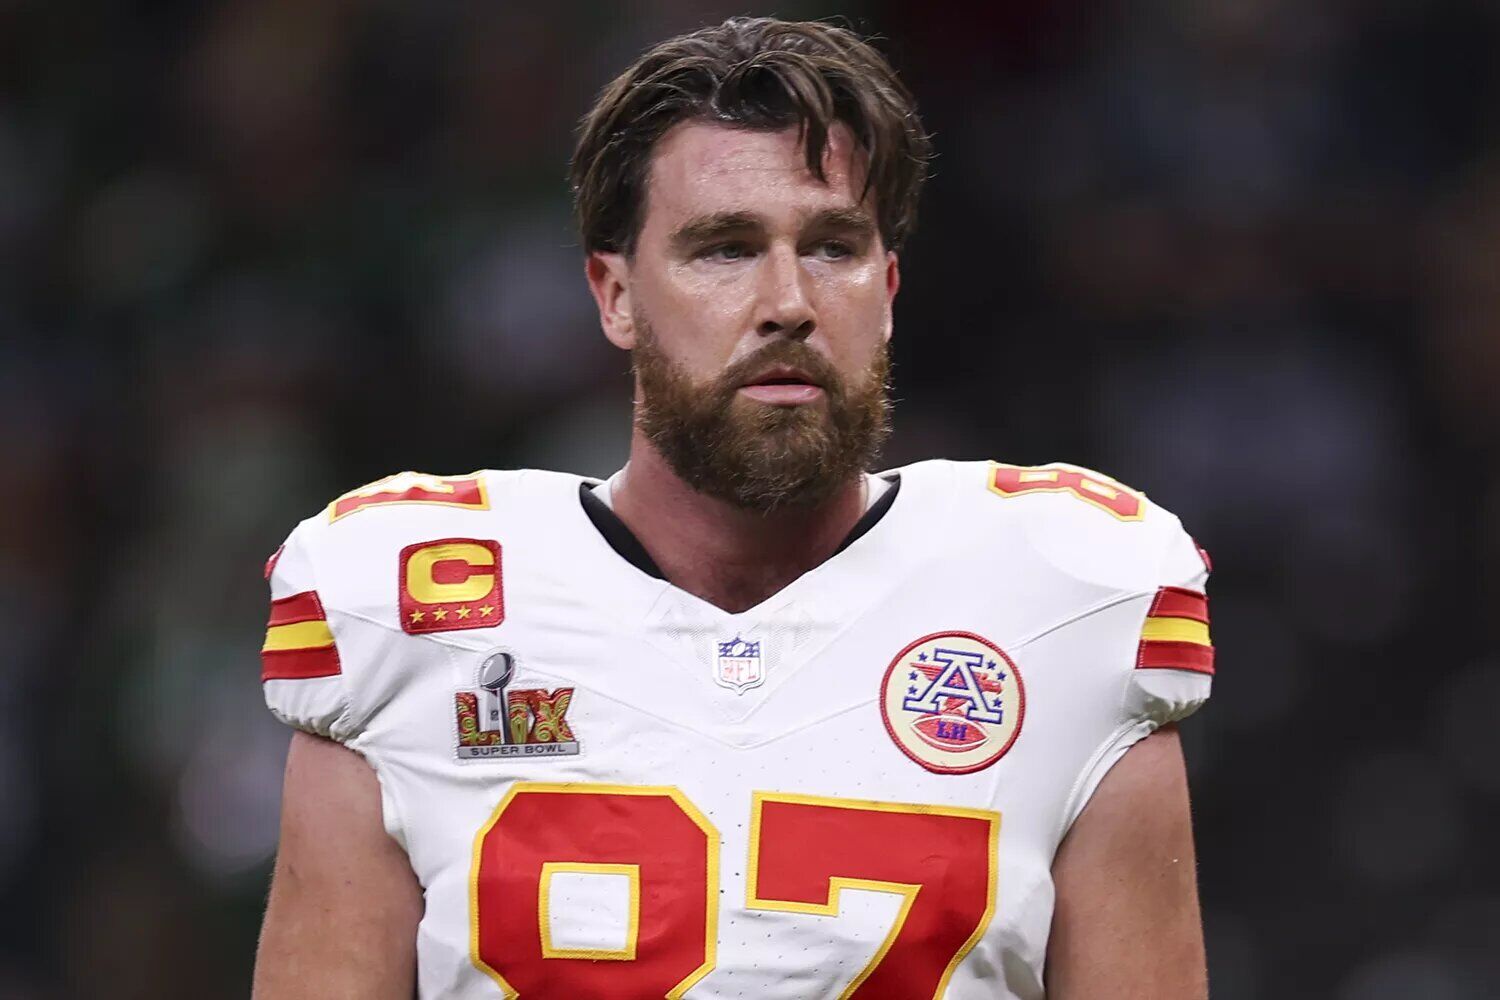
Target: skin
<point x="740" y="244"/>
<point x="341" y="922"/>
<point x="1126" y="924"/>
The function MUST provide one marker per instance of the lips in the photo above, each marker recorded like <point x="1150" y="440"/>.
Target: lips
<point x="783" y="385"/>
<point x="783" y="375"/>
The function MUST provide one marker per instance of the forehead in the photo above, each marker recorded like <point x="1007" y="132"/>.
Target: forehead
<point x="702" y="167"/>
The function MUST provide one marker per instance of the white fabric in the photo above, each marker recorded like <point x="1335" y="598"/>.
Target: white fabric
<point x="875" y="488"/>
<point x="605" y="491"/>
<point x="589" y="910"/>
<point x="1058" y="584"/>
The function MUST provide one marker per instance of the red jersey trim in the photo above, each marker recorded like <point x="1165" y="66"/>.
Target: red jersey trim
<point x="1163" y="655"/>
<point x="300" y="664"/>
<point x="303" y="607"/>
<point x="1179" y="602"/>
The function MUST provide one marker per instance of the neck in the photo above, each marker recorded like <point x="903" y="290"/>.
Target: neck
<point x="728" y="556"/>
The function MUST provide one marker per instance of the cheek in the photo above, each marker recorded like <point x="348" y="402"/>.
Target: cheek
<point x="854" y="312"/>
<point x="696" y="321"/>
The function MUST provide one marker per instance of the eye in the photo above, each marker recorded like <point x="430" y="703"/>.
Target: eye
<point x="726" y="252"/>
<point x="833" y="250"/>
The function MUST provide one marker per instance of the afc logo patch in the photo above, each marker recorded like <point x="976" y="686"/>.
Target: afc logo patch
<point x="953" y="702"/>
<point x="451" y="584"/>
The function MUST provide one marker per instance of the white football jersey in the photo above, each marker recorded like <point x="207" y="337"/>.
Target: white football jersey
<point x="611" y="789"/>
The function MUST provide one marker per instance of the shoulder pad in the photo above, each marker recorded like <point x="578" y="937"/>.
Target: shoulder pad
<point x="1087" y="524"/>
<point x="469" y="492"/>
<point x="334" y="590"/>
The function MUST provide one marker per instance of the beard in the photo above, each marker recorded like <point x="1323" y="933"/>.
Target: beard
<point x="758" y="456"/>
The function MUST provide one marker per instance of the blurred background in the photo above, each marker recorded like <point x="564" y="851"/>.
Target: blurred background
<point x="1243" y="255"/>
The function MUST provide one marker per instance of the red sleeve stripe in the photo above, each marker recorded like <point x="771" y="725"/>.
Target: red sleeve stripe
<point x="303" y="607"/>
<point x="298" y="642"/>
<point x="1162" y="655"/>
<point x="1175" y="635"/>
<point x="299" y="664"/>
<point x="1179" y="602"/>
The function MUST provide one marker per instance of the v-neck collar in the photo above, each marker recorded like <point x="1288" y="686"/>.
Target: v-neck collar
<point x="798" y="622"/>
<point x="620" y="538"/>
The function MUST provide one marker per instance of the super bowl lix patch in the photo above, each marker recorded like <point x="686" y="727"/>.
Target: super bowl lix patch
<point x="497" y="720"/>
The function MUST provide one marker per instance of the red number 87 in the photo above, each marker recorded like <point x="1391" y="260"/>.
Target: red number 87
<point x="803" y="852"/>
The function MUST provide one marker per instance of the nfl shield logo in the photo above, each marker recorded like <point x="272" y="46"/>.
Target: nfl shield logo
<point x="739" y="665"/>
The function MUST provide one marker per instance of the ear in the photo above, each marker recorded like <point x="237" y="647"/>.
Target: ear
<point x="892" y="286"/>
<point x="609" y="281"/>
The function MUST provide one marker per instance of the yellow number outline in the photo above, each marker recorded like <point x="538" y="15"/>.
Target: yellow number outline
<point x="544" y="909"/>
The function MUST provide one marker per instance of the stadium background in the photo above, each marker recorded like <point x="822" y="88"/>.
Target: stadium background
<point x="1244" y="256"/>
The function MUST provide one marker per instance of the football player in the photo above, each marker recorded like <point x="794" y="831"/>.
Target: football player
<point x="744" y="720"/>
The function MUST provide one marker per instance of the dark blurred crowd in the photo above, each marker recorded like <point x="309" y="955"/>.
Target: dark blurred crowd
<point x="1242" y="255"/>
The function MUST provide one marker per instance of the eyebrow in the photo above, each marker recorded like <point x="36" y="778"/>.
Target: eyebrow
<point x="718" y="225"/>
<point x="855" y="221"/>
<point x="707" y="228"/>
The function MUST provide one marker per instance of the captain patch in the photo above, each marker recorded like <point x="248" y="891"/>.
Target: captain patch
<point x="451" y="584"/>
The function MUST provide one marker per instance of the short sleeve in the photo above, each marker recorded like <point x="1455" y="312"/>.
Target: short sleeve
<point x="1168" y="664"/>
<point x="302" y="675"/>
<point x="1174" y="659"/>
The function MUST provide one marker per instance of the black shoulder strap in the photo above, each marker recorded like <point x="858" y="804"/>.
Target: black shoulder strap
<point x="872" y="516"/>
<point x="616" y="534"/>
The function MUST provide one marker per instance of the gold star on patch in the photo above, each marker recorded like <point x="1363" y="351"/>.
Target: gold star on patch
<point x="417" y="616"/>
<point x="463" y="612"/>
<point x="440" y="614"/>
<point x="485" y="611"/>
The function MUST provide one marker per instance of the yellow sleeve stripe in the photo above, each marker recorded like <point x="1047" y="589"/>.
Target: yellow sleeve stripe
<point x="1175" y="630"/>
<point x="298" y="635"/>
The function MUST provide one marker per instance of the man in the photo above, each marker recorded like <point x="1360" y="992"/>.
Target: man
<point x="743" y="721"/>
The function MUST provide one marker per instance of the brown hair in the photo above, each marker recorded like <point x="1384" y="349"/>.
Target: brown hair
<point x="752" y="73"/>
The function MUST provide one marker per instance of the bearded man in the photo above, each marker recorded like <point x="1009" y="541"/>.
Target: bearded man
<point x="744" y="720"/>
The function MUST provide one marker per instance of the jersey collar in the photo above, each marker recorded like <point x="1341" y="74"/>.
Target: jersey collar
<point x="628" y="547"/>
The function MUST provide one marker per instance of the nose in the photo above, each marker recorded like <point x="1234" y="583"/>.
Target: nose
<point x="786" y="304"/>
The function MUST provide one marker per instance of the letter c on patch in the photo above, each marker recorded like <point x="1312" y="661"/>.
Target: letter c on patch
<point x="450" y="572"/>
